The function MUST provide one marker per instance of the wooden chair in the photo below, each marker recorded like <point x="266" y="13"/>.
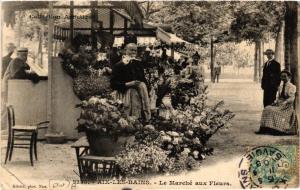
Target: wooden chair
<point x="22" y="136"/>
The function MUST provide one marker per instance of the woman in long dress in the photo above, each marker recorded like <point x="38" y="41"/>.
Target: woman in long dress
<point x="280" y="117"/>
<point x="128" y="79"/>
<point x="195" y="72"/>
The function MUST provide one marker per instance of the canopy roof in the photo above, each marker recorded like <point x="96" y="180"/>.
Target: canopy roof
<point x="130" y="7"/>
<point x="121" y="24"/>
<point x="168" y="38"/>
<point x="103" y="15"/>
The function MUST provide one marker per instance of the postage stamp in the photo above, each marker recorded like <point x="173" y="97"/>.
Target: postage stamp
<point x="269" y="166"/>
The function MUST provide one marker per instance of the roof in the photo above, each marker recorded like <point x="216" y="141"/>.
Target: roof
<point x="103" y="15"/>
<point x="168" y="38"/>
<point x="130" y="7"/>
<point x="83" y="25"/>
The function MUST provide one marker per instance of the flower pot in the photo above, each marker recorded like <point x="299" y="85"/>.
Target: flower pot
<point x="105" y="145"/>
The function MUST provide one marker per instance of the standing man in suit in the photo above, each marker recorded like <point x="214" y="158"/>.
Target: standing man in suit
<point x="217" y="72"/>
<point x="271" y="78"/>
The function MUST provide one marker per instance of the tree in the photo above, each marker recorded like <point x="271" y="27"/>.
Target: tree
<point x="253" y="20"/>
<point x="149" y="8"/>
<point x="216" y="22"/>
<point x="291" y="39"/>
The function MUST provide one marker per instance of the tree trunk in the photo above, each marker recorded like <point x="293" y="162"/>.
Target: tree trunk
<point x="71" y="34"/>
<point x="212" y="59"/>
<point x="19" y="29"/>
<point x="255" y="61"/>
<point x="291" y="46"/>
<point x="279" y="44"/>
<point x="260" y="52"/>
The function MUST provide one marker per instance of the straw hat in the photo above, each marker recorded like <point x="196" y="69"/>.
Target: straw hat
<point x="269" y="51"/>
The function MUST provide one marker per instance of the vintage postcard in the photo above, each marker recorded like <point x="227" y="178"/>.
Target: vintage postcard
<point x="137" y="95"/>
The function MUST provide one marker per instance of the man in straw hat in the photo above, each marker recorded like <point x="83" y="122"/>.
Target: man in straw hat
<point x="271" y="78"/>
<point x="18" y="66"/>
<point x="7" y="59"/>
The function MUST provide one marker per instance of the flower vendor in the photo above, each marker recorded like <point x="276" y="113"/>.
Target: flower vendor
<point x="128" y="79"/>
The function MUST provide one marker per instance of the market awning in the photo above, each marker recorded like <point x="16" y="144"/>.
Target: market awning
<point x="168" y="38"/>
<point x="83" y="26"/>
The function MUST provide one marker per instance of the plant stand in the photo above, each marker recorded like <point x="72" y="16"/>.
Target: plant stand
<point x="93" y="168"/>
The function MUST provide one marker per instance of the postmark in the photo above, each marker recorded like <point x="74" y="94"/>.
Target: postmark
<point x="267" y="166"/>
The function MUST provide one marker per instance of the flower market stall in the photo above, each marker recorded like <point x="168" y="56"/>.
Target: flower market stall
<point x="58" y="93"/>
<point x="175" y="137"/>
<point x="81" y="98"/>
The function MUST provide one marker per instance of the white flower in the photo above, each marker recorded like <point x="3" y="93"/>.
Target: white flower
<point x="195" y="154"/>
<point x="93" y="100"/>
<point x="197" y="119"/>
<point x="186" y="150"/>
<point x="123" y="122"/>
<point x="196" y="140"/>
<point x="175" y="141"/>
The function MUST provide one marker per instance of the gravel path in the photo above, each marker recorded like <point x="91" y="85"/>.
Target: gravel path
<point x="244" y="98"/>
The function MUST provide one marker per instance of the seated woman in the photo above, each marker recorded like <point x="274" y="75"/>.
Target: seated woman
<point x="128" y="79"/>
<point x="280" y="117"/>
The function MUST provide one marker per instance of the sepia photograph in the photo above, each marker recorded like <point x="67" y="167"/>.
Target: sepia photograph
<point x="138" y="95"/>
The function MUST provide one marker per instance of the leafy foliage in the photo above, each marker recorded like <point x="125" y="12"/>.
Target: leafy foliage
<point x="226" y="21"/>
<point x="254" y="19"/>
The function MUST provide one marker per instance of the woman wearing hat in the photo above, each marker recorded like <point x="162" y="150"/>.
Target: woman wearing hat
<point x="128" y="79"/>
<point x="280" y="117"/>
<point x="195" y="72"/>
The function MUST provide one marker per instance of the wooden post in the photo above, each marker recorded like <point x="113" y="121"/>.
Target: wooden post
<point x="111" y="20"/>
<point x="71" y="34"/>
<point x="172" y="51"/>
<point x="212" y="59"/>
<point x="40" y="48"/>
<point x="94" y="19"/>
<point x="50" y="40"/>
<point x="125" y="25"/>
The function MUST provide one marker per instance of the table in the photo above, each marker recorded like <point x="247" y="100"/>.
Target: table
<point x="93" y="167"/>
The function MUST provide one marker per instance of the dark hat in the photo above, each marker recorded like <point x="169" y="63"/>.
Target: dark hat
<point x="269" y="51"/>
<point x="287" y="72"/>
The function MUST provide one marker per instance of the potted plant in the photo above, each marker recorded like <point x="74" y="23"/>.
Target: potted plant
<point x="107" y="126"/>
